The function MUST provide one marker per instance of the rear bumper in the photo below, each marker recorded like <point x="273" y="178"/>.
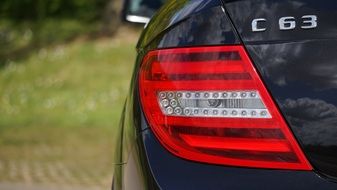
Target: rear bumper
<point x="152" y="167"/>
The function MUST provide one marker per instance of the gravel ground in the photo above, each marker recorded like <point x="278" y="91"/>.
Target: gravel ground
<point x="20" y="186"/>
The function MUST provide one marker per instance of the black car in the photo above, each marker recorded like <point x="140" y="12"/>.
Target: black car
<point x="231" y="94"/>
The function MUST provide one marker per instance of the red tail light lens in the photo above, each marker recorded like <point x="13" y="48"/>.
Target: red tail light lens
<point x="208" y="104"/>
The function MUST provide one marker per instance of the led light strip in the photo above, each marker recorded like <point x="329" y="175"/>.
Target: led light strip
<point x="225" y="104"/>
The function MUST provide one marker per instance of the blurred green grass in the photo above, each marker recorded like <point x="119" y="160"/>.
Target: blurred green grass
<point x="62" y="104"/>
<point x="86" y="80"/>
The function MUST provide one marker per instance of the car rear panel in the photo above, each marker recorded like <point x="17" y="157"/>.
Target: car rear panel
<point x="171" y="172"/>
<point x="299" y="67"/>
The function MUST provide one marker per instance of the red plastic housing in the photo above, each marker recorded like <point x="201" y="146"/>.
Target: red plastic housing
<point x="246" y="142"/>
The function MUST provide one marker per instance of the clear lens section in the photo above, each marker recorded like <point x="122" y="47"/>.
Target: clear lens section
<point x="224" y="104"/>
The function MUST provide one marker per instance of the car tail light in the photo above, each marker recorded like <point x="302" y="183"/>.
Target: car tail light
<point x="208" y="104"/>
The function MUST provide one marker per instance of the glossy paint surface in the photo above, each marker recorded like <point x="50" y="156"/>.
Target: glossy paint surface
<point x="302" y="81"/>
<point x="188" y="23"/>
<point x="299" y="68"/>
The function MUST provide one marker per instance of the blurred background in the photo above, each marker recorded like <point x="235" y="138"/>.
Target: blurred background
<point x="65" y="68"/>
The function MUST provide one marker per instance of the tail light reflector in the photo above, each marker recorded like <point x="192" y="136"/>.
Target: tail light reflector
<point x="208" y="104"/>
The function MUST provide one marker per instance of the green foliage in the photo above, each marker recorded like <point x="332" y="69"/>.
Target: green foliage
<point x="28" y="25"/>
<point x="19" y="40"/>
<point x="19" y="10"/>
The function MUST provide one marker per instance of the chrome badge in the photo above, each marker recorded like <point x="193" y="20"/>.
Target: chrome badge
<point x="286" y="23"/>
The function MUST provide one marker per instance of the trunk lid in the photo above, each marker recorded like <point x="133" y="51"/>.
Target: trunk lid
<point x="298" y="66"/>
